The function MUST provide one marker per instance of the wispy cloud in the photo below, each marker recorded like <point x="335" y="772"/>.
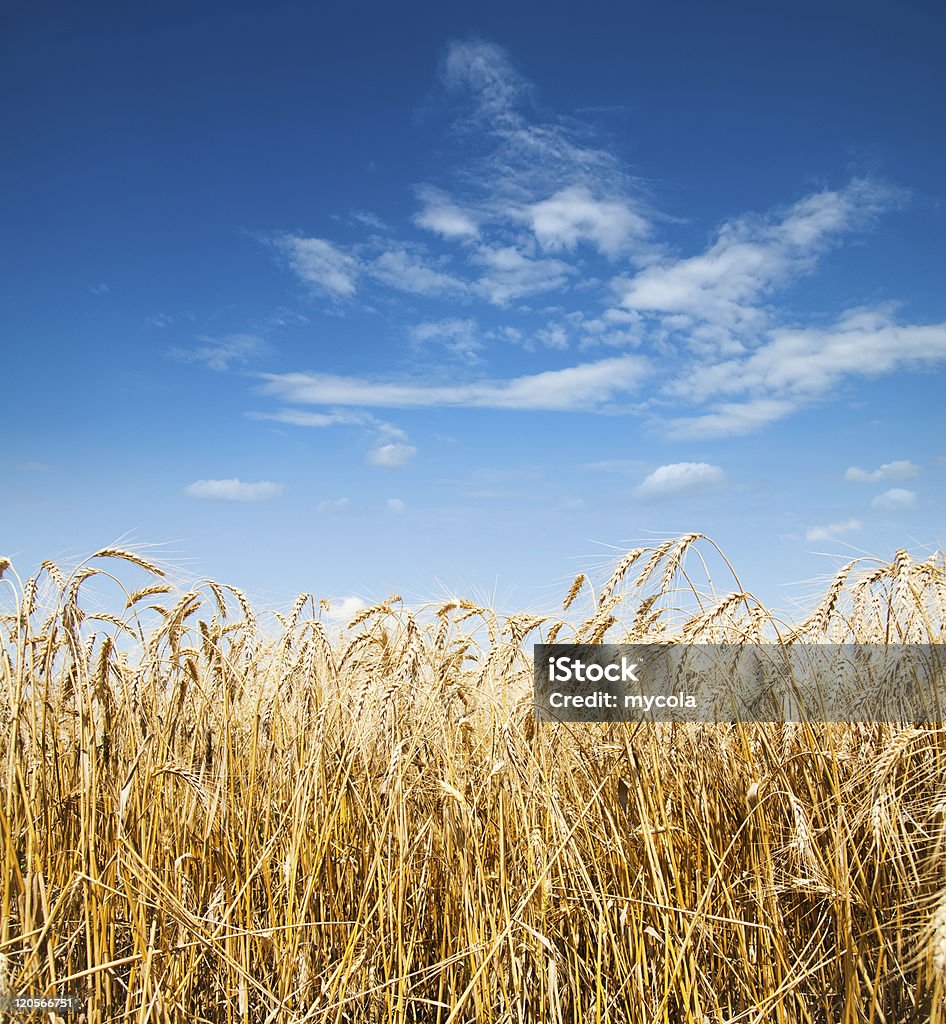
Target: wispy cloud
<point x="531" y="185"/>
<point x="903" y="469"/>
<point x="459" y="337"/>
<point x="615" y="327"/>
<point x="334" y="418"/>
<point x="334" y="506"/>
<point x="391" y="449"/>
<point x="730" y="419"/>
<point x="303" y="418"/>
<point x="282" y="316"/>
<point x="553" y="335"/>
<point x="391" y="456"/>
<point x="511" y="274"/>
<point x="442" y="216"/>
<point x="221" y="353"/>
<point x="750" y="257"/>
<point x="585" y="387"/>
<point x="804" y="363"/>
<point x="622" y="466"/>
<point x="370" y="220"/>
<point x="519" y="159"/>
<point x="532" y="200"/>
<point x="321" y="264"/>
<point x="409" y="272"/>
<point x="233" y="490"/>
<point x="894" y="500"/>
<point x="799" y="365"/>
<point x="680" y="478"/>
<point x="832" y="530"/>
<point x="396" y="507"/>
<point x="484" y="72"/>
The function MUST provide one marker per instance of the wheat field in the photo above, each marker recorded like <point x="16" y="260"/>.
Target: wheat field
<point x="213" y="815"/>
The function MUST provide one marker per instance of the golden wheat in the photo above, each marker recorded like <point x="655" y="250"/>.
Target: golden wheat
<point x="203" y="822"/>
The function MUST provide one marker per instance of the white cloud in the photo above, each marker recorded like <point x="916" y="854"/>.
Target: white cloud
<point x="523" y="183"/>
<point x="344" y="609"/>
<point x="222" y="353"/>
<point x="458" y="336"/>
<point x="832" y="530"/>
<point x="553" y="335"/>
<point x="894" y="500"/>
<point x="391" y="456"/>
<point x="282" y="316"/>
<point x="750" y="257"/>
<point x="511" y="274"/>
<point x="585" y="387"/>
<point x="680" y="478"/>
<point x="902" y="469"/>
<point x="506" y="334"/>
<point x="527" y="195"/>
<point x="730" y="419"/>
<point x="233" y="490"/>
<point x="319" y="263"/>
<point x="370" y="220"/>
<point x="303" y="418"/>
<point x="484" y="71"/>
<point x="799" y="365"/>
<point x="547" y="175"/>
<point x="336" y="506"/>
<point x="407" y="272"/>
<point x="614" y="465"/>
<point x="617" y="328"/>
<point x="573" y="215"/>
<point x="336" y="418"/>
<point x="396" y="507"/>
<point x="813" y="361"/>
<point x="518" y="161"/>
<point x="442" y="216"/>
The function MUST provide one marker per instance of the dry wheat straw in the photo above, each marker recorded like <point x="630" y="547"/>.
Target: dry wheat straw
<point x="375" y="828"/>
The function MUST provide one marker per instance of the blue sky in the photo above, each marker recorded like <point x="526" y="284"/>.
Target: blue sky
<point x="467" y="298"/>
